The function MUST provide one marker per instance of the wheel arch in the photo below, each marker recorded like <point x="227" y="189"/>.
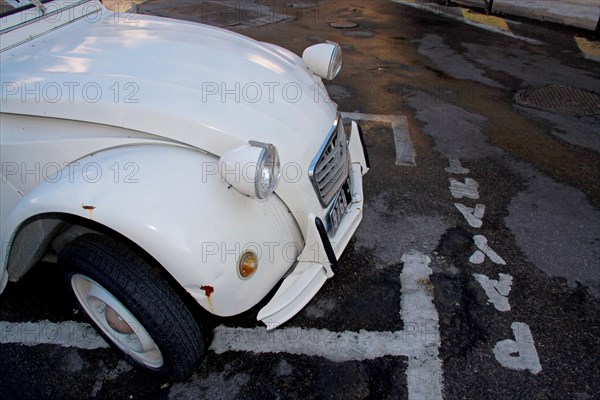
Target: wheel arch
<point x="43" y="236"/>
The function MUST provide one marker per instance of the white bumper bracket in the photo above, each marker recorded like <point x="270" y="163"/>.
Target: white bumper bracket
<point x="316" y="262"/>
<point x="295" y="293"/>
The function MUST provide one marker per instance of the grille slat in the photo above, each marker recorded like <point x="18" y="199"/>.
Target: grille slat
<point x="331" y="169"/>
<point x="331" y="178"/>
<point x="326" y="169"/>
<point x="326" y="186"/>
<point x="322" y="175"/>
<point x="323" y="184"/>
<point x="326" y="161"/>
<point x="332" y="184"/>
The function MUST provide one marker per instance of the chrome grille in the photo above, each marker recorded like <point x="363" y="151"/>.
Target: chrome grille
<point x="329" y="169"/>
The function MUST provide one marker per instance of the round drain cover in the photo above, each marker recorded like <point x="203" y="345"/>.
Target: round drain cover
<point x="359" y="34"/>
<point x="560" y="99"/>
<point x="343" y="24"/>
<point x="302" y="6"/>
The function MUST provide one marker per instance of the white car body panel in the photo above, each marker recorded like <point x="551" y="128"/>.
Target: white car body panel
<point x="169" y="97"/>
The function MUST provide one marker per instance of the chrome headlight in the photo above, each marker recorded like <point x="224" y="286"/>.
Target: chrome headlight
<point x="324" y="59"/>
<point x="253" y="170"/>
<point x="268" y="171"/>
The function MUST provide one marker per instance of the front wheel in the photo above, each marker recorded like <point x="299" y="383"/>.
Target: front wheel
<point x="133" y="309"/>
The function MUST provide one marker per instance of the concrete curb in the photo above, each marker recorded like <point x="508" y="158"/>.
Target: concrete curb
<point x="488" y="22"/>
<point x="583" y="14"/>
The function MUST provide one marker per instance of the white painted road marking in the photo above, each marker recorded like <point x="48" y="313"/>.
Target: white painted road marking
<point x="334" y="346"/>
<point x="496" y="291"/>
<point x="456" y="167"/>
<point x="473" y="216"/>
<point x="484" y="250"/>
<point x="469" y="189"/>
<point x="519" y="354"/>
<point x="405" y="152"/>
<point x="66" y="334"/>
<point x="424" y="372"/>
<point x="419" y="341"/>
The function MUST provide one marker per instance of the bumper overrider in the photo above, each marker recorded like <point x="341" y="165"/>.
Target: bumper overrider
<point x="324" y="244"/>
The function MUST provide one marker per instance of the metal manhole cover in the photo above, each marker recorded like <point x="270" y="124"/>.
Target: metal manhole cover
<point x="343" y="24"/>
<point x="560" y="99"/>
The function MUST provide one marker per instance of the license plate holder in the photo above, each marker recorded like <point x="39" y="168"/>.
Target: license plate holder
<point x="340" y="207"/>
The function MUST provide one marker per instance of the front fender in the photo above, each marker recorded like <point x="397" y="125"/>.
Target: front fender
<point x="172" y="202"/>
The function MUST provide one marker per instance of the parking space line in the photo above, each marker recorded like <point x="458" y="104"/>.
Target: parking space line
<point x="334" y="346"/>
<point x="405" y="151"/>
<point x="419" y="341"/>
<point x="424" y="373"/>
<point x="66" y="334"/>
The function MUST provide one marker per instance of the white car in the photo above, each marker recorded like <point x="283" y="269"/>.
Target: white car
<point x="164" y="161"/>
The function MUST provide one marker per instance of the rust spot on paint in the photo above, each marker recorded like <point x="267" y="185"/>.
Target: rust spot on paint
<point x="208" y="290"/>
<point x="90" y="209"/>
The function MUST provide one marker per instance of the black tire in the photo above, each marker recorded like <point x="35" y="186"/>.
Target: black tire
<point x="94" y="263"/>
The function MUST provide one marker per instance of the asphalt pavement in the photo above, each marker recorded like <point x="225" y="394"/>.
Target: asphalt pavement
<point x="475" y="272"/>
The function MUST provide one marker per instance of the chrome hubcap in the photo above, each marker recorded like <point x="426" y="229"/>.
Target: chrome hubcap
<point x="116" y="321"/>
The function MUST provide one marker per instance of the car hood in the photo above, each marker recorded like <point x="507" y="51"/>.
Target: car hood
<point x="190" y="83"/>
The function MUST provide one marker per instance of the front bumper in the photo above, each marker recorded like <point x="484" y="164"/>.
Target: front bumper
<point x="318" y="261"/>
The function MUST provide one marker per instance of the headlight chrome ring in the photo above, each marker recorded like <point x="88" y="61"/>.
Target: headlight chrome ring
<point x="335" y="65"/>
<point x="324" y="59"/>
<point x="268" y="170"/>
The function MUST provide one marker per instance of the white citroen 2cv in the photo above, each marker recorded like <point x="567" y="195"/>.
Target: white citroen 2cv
<point x="161" y="159"/>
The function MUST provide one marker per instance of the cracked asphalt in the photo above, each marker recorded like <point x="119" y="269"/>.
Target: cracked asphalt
<point x="538" y="176"/>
